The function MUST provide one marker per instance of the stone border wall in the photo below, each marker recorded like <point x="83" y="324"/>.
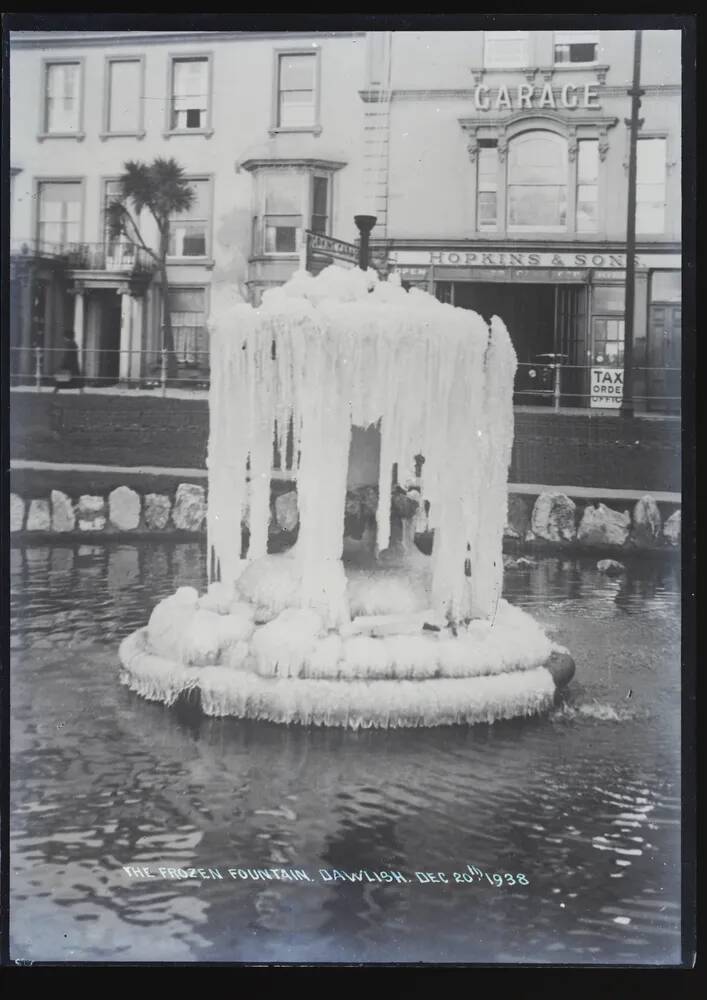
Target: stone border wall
<point x="552" y="520"/>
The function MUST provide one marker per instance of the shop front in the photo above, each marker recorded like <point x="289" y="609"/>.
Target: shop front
<point x="565" y="313"/>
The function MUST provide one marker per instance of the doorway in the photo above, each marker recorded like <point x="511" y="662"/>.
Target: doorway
<point x="107" y="366"/>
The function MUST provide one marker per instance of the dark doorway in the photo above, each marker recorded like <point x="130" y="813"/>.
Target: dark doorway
<point x="527" y="310"/>
<point x="664" y="358"/>
<point x="109" y="338"/>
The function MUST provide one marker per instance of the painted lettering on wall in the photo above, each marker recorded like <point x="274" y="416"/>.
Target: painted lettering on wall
<point x="519" y="258"/>
<point x="526" y="96"/>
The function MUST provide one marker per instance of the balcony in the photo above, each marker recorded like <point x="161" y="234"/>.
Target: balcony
<point x="116" y="257"/>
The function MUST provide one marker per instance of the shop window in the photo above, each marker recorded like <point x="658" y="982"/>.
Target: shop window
<point x="587" y="185"/>
<point x="62" y="97"/>
<point x="576" y="47"/>
<point x="187" y="308"/>
<point x="189" y="98"/>
<point x="59" y="213"/>
<point x="487" y="185"/>
<point x="666" y="286"/>
<point x="609" y="298"/>
<point x="124" y="97"/>
<point x="506" y="49"/>
<point x="537" y="181"/>
<point x="608" y="341"/>
<point x="296" y="90"/>
<point x="189" y="230"/>
<point x="650" y="185"/>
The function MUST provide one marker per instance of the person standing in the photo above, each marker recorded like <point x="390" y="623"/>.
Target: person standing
<point x="69" y="374"/>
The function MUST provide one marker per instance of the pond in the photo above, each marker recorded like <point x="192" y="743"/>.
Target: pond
<point x="584" y="803"/>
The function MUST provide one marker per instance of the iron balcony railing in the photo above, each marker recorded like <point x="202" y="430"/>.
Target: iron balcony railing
<point x="555" y="386"/>
<point x="119" y="256"/>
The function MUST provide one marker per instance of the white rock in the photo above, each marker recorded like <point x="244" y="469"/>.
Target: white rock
<point x="647" y="522"/>
<point x="517" y="518"/>
<point x="124" y="508"/>
<point x="286" y="513"/>
<point x="17" y="512"/>
<point x="611" y="567"/>
<point x="157" y="510"/>
<point x="38" y="518"/>
<point x="90" y="511"/>
<point x="89" y="504"/>
<point x="553" y="518"/>
<point x="96" y="524"/>
<point x="63" y="514"/>
<point x="189" y="507"/>
<point x="672" y="528"/>
<point x="603" y="526"/>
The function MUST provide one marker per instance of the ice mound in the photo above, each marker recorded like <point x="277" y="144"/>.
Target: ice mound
<point x="281" y="647"/>
<point x="385" y="592"/>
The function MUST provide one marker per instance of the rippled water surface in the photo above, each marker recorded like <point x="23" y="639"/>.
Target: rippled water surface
<point x="584" y="802"/>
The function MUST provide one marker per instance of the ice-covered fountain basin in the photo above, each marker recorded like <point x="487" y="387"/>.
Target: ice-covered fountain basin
<point x="402" y="667"/>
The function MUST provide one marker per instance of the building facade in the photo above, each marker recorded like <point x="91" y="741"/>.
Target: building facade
<point x="267" y="128"/>
<point x="496" y="164"/>
<point x="502" y="186"/>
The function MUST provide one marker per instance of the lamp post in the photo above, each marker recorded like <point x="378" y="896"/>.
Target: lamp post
<point x="364" y="224"/>
<point x="634" y="124"/>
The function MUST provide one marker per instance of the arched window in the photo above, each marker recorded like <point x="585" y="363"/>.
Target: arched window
<point x="537" y="181"/>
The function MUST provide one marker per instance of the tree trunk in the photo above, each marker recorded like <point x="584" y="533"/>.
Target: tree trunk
<point x="168" y="336"/>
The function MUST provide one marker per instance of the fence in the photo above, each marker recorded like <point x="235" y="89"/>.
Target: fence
<point x="556" y="386"/>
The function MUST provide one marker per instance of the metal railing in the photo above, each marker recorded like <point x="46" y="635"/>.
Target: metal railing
<point x="559" y="387"/>
<point x="119" y="256"/>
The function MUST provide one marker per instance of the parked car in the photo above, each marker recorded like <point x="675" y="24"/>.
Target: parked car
<point x="535" y="382"/>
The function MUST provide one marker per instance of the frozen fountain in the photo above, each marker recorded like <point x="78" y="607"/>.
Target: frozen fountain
<point x="319" y="634"/>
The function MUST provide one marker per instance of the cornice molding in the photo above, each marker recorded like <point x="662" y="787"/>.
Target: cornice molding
<point x="309" y="162"/>
<point x="107" y="39"/>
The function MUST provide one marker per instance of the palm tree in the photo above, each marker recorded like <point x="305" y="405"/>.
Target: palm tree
<point x="162" y="189"/>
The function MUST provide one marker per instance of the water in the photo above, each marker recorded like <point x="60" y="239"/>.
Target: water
<point x="585" y="802"/>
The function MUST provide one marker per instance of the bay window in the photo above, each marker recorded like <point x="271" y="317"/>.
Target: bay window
<point x="283" y="212"/>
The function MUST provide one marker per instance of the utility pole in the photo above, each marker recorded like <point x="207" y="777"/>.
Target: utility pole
<point x="364" y="224"/>
<point x="634" y="123"/>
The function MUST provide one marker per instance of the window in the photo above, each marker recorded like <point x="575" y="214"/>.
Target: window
<point x="320" y="205"/>
<point x="608" y="337"/>
<point x="587" y="185"/>
<point x="537" y="181"/>
<point x="576" y="47"/>
<point x="666" y="286"/>
<point x="119" y="251"/>
<point x="505" y="49"/>
<point x="187" y="309"/>
<point x="188" y="231"/>
<point x="59" y="220"/>
<point x="650" y="185"/>
<point x="124" y="98"/>
<point x="189" y="94"/>
<point x="296" y="104"/>
<point x="486" y="185"/>
<point x="62" y="98"/>
<point x="283" y="212"/>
